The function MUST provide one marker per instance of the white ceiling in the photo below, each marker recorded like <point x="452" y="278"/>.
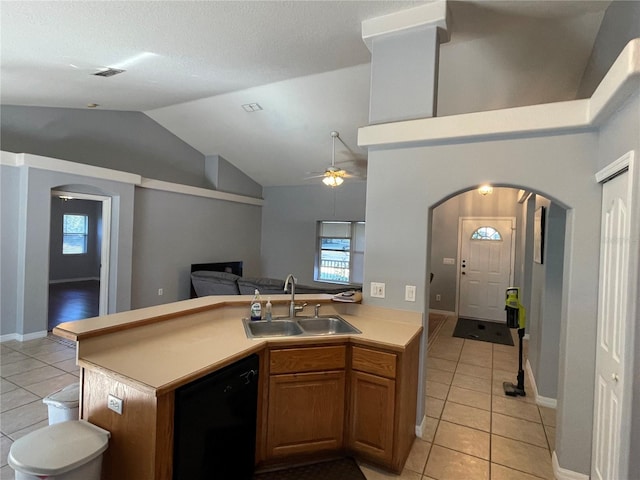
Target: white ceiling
<point x="190" y="65"/>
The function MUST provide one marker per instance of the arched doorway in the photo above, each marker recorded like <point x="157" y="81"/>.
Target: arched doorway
<point x="79" y="255"/>
<point x="460" y="372"/>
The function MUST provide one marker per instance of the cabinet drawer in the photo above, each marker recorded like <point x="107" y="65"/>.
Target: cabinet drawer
<point x="310" y="359"/>
<point x="375" y="362"/>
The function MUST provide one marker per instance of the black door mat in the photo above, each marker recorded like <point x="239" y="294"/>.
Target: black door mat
<point x="340" y="469"/>
<point x="484" y="331"/>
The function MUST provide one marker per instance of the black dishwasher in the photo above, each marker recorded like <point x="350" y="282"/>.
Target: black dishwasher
<point x="215" y="424"/>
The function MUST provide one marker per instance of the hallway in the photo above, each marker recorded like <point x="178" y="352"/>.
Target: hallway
<point x="473" y="431"/>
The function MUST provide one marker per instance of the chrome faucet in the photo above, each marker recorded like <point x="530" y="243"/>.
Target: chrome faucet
<point x="292" y="306"/>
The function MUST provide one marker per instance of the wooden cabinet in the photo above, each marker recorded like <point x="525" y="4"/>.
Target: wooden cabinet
<point x="306" y="401"/>
<point x="306" y="413"/>
<point x="382" y="408"/>
<point x="141" y="443"/>
<point x="315" y="400"/>
<point x="372" y="415"/>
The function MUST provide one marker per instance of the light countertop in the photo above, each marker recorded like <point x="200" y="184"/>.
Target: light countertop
<point x="162" y="347"/>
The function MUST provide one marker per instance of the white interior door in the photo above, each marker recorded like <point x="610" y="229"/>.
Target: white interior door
<point x="486" y="265"/>
<point x="610" y="454"/>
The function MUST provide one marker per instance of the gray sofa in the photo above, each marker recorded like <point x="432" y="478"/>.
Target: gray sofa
<point x="222" y="283"/>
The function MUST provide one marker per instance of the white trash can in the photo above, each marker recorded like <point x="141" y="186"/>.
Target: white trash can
<point x="64" y="451"/>
<point x="64" y="404"/>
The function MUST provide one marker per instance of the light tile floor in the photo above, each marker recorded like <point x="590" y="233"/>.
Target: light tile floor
<point x="29" y="372"/>
<point x="473" y="431"/>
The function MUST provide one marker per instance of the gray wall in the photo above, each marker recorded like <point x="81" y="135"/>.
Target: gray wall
<point x="397" y="244"/>
<point x="395" y="95"/>
<point x="198" y="229"/>
<point x="547" y="373"/>
<point x="621" y="23"/>
<point x="289" y="224"/>
<point x="223" y="176"/>
<point x="503" y="202"/>
<point x="172" y="231"/>
<point x="544" y="310"/>
<point x="69" y="267"/>
<point x="30" y="278"/>
<point x="125" y="141"/>
<point x="9" y="214"/>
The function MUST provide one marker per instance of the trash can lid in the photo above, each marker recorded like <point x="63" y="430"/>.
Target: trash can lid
<point x="58" y="448"/>
<point x="67" y="397"/>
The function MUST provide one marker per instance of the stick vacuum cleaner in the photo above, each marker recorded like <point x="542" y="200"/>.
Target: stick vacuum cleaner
<point x="516" y="318"/>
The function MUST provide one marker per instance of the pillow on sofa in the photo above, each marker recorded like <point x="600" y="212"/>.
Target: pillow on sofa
<point x="214" y="283"/>
<point x="329" y="289"/>
<point x="266" y="286"/>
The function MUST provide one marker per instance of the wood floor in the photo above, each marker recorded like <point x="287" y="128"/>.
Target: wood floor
<point x="73" y="301"/>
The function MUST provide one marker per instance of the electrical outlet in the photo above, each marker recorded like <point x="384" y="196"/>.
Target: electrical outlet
<point x="160" y="291"/>
<point x="438" y="297"/>
<point x="114" y="403"/>
<point x="377" y="290"/>
<point x="410" y="293"/>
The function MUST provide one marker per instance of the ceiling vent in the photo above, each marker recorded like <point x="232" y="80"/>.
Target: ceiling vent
<point x="251" y="107"/>
<point x="109" y="72"/>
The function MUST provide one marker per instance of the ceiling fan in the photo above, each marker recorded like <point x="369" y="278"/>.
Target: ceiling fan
<point x="333" y="176"/>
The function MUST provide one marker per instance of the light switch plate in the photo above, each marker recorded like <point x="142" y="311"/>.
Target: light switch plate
<point x="449" y="261"/>
<point x="410" y="293"/>
<point x="377" y="290"/>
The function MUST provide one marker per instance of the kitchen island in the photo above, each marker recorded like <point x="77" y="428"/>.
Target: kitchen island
<point x="142" y="356"/>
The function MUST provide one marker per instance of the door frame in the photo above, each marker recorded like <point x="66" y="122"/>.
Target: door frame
<point x="623" y="164"/>
<point x="105" y="244"/>
<point x="512" y="258"/>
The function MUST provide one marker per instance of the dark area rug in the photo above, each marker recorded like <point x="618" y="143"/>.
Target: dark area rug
<point x="340" y="469"/>
<point x="484" y="331"/>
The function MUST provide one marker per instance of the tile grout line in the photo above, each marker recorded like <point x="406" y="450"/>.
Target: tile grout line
<point x="492" y="395"/>
<point x="30" y="356"/>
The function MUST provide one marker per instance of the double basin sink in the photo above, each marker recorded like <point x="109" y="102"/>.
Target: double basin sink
<point x="299" y="326"/>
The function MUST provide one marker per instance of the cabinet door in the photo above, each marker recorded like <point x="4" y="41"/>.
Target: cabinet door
<point x="306" y="413"/>
<point x="372" y="416"/>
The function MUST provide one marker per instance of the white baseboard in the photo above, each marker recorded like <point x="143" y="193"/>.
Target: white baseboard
<point x="420" y="428"/>
<point x="540" y="400"/>
<point x="71" y="280"/>
<point x="7" y="337"/>
<point x="546" y="402"/>
<point x="564" y="474"/>
<point x="442" y="312"/>
<point x="22" y="338"/>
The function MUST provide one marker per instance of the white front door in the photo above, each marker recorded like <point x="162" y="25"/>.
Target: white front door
<point x="610" y="454"/>
<point x="486" y="265"/>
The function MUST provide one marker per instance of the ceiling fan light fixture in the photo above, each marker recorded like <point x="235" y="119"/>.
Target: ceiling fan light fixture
<point x="333" y="177"/>
<point x="332" y="180"/>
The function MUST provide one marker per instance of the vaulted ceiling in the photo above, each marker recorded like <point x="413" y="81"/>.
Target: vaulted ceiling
<point x="191" y="65"/>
